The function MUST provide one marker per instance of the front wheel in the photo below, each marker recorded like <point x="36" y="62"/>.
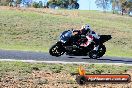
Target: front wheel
<point x="101" y="51"/>
<point x="56" y="50"/>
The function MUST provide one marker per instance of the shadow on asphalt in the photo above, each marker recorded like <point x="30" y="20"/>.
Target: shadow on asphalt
<point x="113" y="60"/>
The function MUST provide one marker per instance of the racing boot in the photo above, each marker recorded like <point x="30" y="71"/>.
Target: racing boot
<point x="95" y="50"/>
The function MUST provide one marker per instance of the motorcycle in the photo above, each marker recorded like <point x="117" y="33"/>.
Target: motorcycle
<point x="69" y="44"/>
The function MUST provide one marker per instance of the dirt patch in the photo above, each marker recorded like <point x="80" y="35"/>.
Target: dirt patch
<point x="42" y="79"/>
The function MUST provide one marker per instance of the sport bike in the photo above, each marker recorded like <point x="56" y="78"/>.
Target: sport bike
<point x="69" y="45"/>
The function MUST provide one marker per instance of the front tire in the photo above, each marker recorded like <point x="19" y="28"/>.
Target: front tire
<point x="56" y="50"/>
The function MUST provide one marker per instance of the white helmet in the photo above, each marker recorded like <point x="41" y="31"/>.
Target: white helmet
<point x="86" y="27"/>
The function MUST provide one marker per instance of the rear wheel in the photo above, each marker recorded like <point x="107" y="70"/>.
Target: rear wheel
<point x="101" y="51"/>
<point x="56" y="50"/>
<point x="97" y="54"/>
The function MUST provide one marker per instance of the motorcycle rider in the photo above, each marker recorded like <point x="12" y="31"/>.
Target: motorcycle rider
<point x="89" y="34"/>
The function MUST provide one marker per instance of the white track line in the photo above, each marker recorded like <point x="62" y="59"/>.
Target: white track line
<point x="62" y="62"/>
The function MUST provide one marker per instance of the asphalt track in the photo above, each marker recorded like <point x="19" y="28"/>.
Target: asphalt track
<point x="41" y="56"/>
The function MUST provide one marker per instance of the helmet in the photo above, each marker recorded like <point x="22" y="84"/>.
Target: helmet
<point x="86" y="28"/>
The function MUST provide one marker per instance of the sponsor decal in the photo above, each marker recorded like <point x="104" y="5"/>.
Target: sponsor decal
<point x="82" y="78"/>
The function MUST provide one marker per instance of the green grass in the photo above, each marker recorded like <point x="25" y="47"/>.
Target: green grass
<point x="23" y="68"/>
<point x="37" y="30"/>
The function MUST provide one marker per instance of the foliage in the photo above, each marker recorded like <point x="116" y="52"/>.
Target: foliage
<point x="9" y="2"/>
<point x="104" y="4"/>
<point x="37" y="5"/>
<point x="18" y="1"/>
<point x="123" y="5"/>
<point x="115" y="5"/>
<point x="70" y="4"/>
<point x="4" y="2"/>
<point x="40" y="4"/>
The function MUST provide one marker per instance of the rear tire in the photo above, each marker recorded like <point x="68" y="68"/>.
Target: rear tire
<point x="101" y="51"/>
<point x="56" y="50"/>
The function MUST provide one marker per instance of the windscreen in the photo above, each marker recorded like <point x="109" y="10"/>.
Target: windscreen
<point x="65" y="36"/>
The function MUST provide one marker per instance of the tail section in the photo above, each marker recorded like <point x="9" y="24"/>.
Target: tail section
<point x="104" y="38"/>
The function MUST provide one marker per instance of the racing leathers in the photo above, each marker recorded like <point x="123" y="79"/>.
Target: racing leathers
<point x="91" y="36"/>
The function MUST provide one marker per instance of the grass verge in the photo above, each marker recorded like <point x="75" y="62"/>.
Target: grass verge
<point x="36" y="75"/>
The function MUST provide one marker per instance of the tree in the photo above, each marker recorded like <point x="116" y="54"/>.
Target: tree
<point x="40" y="4"/>
<point x="17" y="2"/>
<point x="52" y="4"/>
<point x="76" y="6"/>
<point x="4" y="2"/>
<point x="11" y="3"/>
<point x="104" y="4"/>
<point x="72" y="4"/>
<point x="115" y="5"/>
<point x="129" y="6"/>
<point x="123" y="5"/>
<point x="126" y="5"/>
<point x="35" y="5"/>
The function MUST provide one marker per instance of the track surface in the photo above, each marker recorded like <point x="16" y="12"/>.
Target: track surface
<point x="41" y="56"/>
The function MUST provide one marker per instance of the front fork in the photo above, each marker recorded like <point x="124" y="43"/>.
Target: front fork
<point x="60" y="45"/>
